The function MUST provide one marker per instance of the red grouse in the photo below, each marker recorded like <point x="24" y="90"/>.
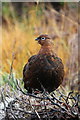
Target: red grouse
<point x="44" y="69"/>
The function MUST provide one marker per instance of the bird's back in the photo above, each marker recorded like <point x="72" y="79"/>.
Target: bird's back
<point x="43" y="70"/>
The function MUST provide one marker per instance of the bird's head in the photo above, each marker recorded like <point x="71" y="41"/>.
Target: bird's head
<point x="43" y="40"/>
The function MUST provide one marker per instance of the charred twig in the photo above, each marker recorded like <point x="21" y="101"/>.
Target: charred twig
<point x="35" y="111"/>
<point x="28" y="94"/>
<point x="44" y="106"/>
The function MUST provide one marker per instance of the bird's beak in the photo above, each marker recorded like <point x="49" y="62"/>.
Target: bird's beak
<point x="37" y="39"/>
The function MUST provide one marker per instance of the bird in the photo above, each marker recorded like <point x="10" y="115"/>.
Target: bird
<point x="45" y="70"/>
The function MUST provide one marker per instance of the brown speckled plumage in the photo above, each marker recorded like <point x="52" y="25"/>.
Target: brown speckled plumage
<point x="44" y="69"/>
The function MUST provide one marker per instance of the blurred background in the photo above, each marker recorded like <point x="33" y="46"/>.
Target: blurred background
<point x="22" y="22"/>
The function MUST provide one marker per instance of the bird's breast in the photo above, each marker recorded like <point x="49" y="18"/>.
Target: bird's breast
<point x="48" y="50"/>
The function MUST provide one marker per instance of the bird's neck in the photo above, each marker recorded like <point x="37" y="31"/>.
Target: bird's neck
<point x="46" y="50"/>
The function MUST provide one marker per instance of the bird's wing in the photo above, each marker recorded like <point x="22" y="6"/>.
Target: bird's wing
<point x="55" y="70"/>
<point x="54" y="66"/>
<point x="26" y="67"/>
<point x="54" y="62"/>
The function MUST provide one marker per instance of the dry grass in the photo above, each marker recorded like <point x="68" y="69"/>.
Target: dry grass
<point x="21" y="44"/>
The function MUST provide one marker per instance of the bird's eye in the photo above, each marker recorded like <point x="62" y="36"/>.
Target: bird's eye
<point x="43" y="38"/>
